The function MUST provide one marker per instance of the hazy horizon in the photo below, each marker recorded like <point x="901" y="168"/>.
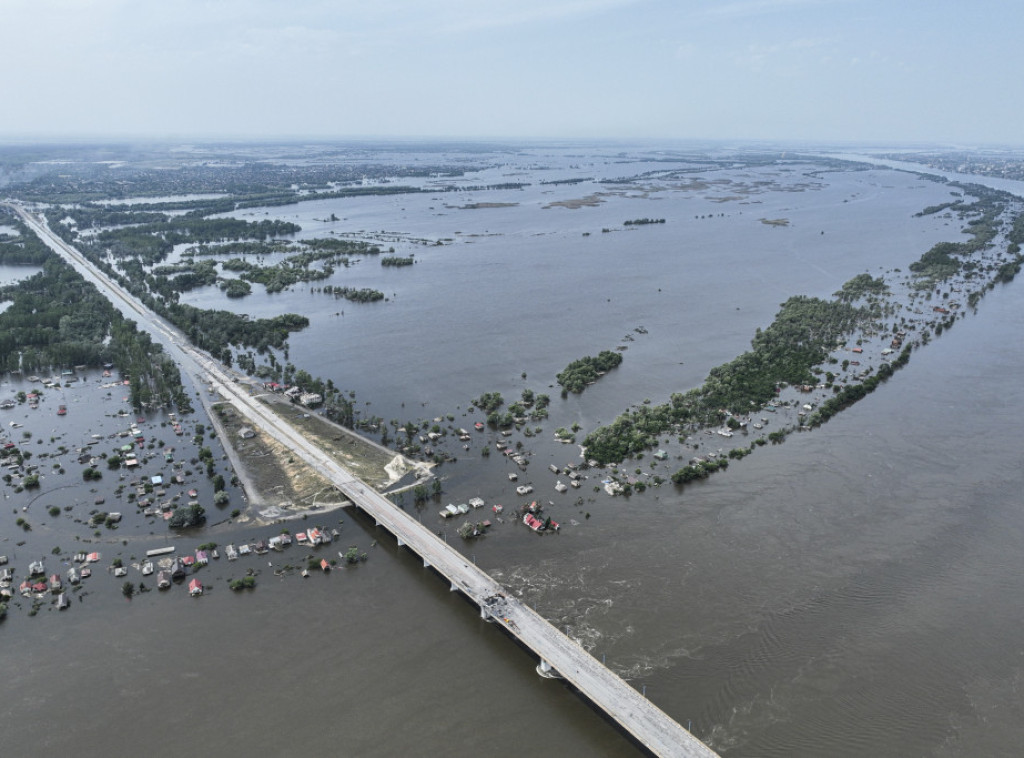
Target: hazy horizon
<point x="795" y="71"/>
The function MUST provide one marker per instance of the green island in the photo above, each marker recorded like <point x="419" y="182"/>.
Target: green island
<point x="803" y="332"/>
<point x="577" y="375"/>
<point x="236" y="288"/>
<point x="354" y="294"/>
<point x="643" y="221"/>
<point x="292" y="270"/>
<point x="796" y="348"/>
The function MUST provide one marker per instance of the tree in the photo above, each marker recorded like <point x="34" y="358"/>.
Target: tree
<point x="183" y="518"/>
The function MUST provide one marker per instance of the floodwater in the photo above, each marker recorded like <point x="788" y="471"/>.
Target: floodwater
<point x="854" y="591"/>
<point x="521" y="289"/>
<point x="12" y="274"/>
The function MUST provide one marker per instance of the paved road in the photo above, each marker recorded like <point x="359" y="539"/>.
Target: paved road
<point x="648" y="724"/>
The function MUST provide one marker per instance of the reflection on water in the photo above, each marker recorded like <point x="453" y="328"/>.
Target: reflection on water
<point x="12" y="274"/>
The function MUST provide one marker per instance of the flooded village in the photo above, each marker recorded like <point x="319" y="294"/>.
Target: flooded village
<point x="116" y="502"/>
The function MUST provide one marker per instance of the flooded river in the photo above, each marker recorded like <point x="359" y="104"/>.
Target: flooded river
<point x="855" y="591"/>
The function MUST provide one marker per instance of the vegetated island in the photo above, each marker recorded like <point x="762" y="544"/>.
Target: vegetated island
<point x="800" y="345"/>
<point x="397" y="261"/>
<point x="531" y="407"/>
<point x="589" y="201"/>
<point x="577" y="375"/>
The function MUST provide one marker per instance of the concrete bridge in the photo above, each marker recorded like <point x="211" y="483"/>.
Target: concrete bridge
<point x="559" y="655"/>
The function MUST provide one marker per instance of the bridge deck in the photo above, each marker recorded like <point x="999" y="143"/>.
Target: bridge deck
<point x="647" y="723"/>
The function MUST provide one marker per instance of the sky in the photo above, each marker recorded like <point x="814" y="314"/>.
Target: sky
<point x="858" y="71"/>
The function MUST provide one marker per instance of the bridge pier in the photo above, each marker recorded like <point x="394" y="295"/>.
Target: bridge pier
<point x="547" y="671"/>
<point x="401" y="542"/>
<point x="454" y="588"/>
<point x="426" y="563"/>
